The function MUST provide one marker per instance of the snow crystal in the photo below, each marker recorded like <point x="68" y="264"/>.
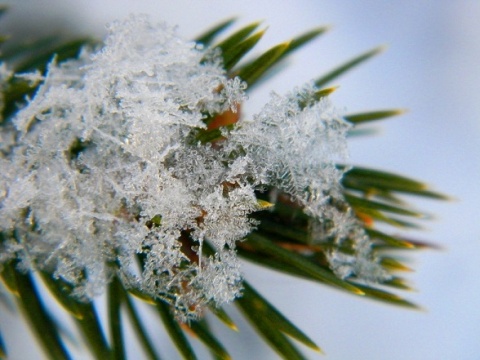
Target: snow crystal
<point x="295" y="148"/>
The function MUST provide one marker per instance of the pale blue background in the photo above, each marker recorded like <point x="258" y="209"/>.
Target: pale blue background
<point x="432" y="68"/>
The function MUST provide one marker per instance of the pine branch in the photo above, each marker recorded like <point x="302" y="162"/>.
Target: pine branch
<point x="148" y="160"/>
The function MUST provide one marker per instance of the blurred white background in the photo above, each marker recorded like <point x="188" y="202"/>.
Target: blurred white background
<point x="431" y="68"/>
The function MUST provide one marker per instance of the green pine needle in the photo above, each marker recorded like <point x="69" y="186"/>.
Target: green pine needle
<point x="140" y="330"/>
<point x="362" y="118"/>
<point x="175" y="332"/>
<point x="266" y="328"/>
<point x="252" y="72"/>
<point x="115" y="299"/>
<point x="223" y="317"/>
<point x="280" y="322"/>
<point x="335" y="73"/>
<point x="38" y="317"/>
<point x="200" y="329"/>
<point x="209" y="36"/>
<point x="232" y="56"/>
<point x="236" y="38"/>
<point x="262" y="244"/>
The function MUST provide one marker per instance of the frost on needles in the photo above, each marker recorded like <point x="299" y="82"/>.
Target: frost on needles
<point x="105" y="170"/>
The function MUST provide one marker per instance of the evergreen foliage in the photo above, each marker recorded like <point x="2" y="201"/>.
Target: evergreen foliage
<point x="128" y="169"/>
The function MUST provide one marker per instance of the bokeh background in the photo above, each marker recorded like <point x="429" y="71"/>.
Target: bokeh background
<point x="432" y="68"/>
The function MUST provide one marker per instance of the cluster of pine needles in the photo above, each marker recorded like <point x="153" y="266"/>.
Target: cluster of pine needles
<point x="280" y="242"/>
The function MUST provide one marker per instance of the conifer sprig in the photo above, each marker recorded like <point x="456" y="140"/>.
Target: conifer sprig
<point x="286" y="233"/>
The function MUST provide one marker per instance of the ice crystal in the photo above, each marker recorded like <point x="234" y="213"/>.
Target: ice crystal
<point x="294" y="144"/>
<point x="294" y="147"/>
<point x="106" y="178"/>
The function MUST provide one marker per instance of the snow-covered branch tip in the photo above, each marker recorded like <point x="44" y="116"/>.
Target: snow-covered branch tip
<point x="105" y="180"/>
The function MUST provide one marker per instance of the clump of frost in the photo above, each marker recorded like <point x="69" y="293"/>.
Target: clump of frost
<point x="106" y="169"/>
<point x="294" y="144"/>
<point x="103" y="150"/>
